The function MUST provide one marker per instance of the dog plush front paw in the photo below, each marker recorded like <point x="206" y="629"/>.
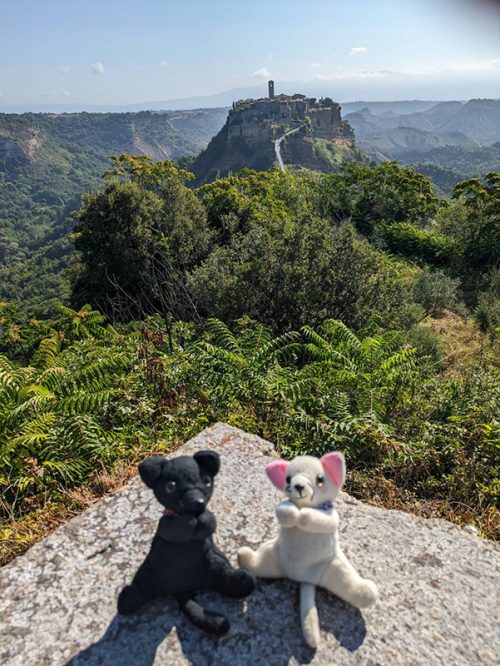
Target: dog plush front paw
<point x="129" y="600"/>
<point x="242" y="583"/>
<point x="206" y="524"/>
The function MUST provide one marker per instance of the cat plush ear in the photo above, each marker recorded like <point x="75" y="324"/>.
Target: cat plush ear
<point x="334" y="466"/>
<point x="150" y="469"/>
<point x="276" y="471"/>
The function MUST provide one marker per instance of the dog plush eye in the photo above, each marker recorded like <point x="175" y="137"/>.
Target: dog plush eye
<point x="288" y="479"/>
<point x="320" y="480"/>
<point x="207" y="480"/>
<point x="171" y="486"/>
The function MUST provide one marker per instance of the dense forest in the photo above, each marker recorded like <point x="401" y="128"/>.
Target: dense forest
<point x="355" y="310"/>
<point x="47" y="161"/>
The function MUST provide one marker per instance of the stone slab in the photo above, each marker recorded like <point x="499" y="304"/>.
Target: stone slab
<point x="438" y="586"/>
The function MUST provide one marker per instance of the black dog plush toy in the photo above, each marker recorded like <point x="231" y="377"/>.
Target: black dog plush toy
<point x="183" y="558"/>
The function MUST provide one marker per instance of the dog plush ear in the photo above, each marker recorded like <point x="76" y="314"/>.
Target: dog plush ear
<point x="209" y="460"/>
<point x="276" y="471"/>
<point x="334" y="466"/>
<point x="150" y="469"/>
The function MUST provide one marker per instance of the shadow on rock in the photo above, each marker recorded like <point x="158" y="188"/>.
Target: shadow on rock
<point x="345" y="622"/>
<point x="265" y="629"/>
<point x="130" y="639"/>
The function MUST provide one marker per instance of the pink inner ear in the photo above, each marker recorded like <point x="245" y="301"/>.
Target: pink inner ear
<point x="334" y="466"/>
<point x="276" y="471"/>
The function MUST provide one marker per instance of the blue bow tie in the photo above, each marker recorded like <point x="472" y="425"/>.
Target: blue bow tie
<point x="326" y="506"/>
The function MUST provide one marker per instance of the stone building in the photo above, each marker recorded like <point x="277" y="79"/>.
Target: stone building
<point x="249" y="117"/>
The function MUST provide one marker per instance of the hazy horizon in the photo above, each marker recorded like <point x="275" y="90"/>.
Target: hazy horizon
<point x="222" y="99"/>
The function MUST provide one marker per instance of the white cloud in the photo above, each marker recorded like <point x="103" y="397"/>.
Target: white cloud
<point x="164" y="63"/>
<point x="315" y="65"/>
<point x="262" y="73"/>
<point x="354" y="74"/>
<point x="66" y="94"/>
<point x="97" y="68"/>
<point x="64" y="69"/>
<point x="356" y="50"/>
<point x="414" y="70"/>
<point x="479" y="66"/>
<point x="424" y="69"/>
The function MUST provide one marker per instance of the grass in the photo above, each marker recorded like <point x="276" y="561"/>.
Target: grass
<point x="462" y="344"/>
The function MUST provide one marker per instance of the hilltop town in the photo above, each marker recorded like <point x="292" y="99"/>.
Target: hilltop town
<point x="283" y="129"/>
<point x="322" y="116"/>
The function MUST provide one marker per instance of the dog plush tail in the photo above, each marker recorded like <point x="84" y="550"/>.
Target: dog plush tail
<point x="207" y="620"/>
<point x="309" y="614"/>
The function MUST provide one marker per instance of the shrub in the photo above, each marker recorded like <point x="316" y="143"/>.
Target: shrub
<point x="487" y="314"/>
<point x="409" y="241"/>
<point x="371" y="195"/>
<point x="289" y="273"/>
<point x="436" y="291"/>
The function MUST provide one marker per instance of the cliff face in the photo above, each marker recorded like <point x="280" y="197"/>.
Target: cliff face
<point x="321" y="141"/>
<point x="38" y="141"/>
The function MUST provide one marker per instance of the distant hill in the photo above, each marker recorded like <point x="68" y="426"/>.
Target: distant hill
<point x="447" y="141"/>
<point x="48" y="160"/>
<point x="477" y="121"/>
<point x="399" y="142"/>
<point x="448" y="165"/>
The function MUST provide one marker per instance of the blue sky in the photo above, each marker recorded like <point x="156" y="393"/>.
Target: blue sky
<point x="107" y="52"/>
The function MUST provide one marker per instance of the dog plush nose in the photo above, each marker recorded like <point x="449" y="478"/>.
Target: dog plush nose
<point x="194" y="501"/>
<point x="299" y="487"/>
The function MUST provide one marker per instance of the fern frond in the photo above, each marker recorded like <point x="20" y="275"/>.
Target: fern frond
<point x="223" y="336"/>
<point x="51" y="378"/>
<point x="281" y="349"/>
<point x="46" y="353"/>
<point x="97" y="375"/>
<point x="337" y="331"/>
<point x="402" y="360"/>
<point x="85" y="402"/>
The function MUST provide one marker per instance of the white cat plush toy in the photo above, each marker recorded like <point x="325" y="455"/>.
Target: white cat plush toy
<point x="306" y="548"/>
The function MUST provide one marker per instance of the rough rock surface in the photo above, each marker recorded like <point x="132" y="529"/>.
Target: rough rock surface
<point x="438" y="586"/>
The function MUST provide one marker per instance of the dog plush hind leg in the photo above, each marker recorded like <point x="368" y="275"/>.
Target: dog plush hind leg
<point x="341" y="578"/>
<point x="263" y="562"/>
<point x="234" y="583"/>
<point x="212" y="623"/>
<point x="309" y="614"/>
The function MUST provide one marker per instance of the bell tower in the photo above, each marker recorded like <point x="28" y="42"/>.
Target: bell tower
<point x="271" y="89"/>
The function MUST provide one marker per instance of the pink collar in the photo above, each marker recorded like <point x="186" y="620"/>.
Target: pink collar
<point x="169" y="512"/>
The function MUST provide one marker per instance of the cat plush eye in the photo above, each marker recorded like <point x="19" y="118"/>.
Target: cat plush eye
<point x="320" y="480"/>
<point x="171" y="486"/>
